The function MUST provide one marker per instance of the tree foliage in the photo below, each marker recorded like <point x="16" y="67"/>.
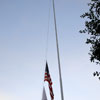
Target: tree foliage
<point x="92" y="27"/>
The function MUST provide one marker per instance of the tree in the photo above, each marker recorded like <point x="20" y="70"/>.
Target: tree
<point x="92" y="28"/>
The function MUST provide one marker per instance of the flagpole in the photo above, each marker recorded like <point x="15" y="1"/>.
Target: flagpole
<point x="59" y="66"/>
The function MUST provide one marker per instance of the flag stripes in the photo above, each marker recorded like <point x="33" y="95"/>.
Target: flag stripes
<point x="48" y="79"/>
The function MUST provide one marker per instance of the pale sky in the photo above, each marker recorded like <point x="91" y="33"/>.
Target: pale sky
<point x="23" y="33"/>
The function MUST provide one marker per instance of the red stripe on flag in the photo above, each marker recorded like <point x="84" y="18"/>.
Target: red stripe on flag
<point x="48" y="79"/>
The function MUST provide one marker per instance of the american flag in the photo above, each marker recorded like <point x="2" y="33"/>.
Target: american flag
<point x="48" y="79"/>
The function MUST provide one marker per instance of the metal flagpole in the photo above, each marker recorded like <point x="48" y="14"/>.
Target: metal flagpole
<point x="59" y="67"/>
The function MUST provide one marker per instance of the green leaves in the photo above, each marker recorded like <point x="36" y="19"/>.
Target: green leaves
<point x="92" y="27"/>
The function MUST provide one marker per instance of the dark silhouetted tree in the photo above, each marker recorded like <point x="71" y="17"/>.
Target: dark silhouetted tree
<point x="92" y="27"/>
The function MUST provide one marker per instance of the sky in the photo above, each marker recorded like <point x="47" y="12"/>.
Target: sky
<point x="23" y="42"/>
